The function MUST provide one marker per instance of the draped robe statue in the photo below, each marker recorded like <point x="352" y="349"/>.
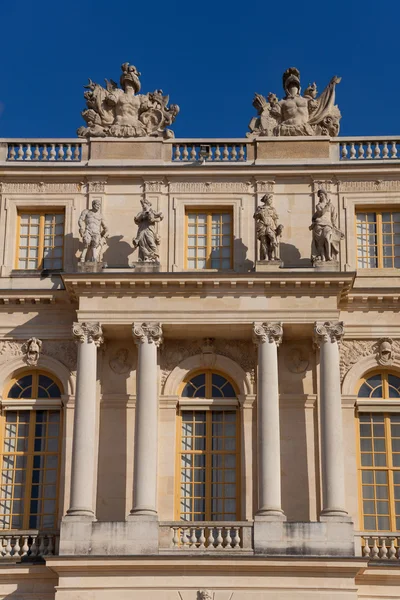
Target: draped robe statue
<point x="147" y="240"/>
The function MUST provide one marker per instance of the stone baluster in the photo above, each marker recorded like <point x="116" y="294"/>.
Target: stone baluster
<point x="228" y="538"/>
<point x="45" y="153"/>
<point x="241" y="152"/>
<point x="225" y="153"/>
<point x="383" y="550"/>
<point x="52" y="152"/>
<point x="210" y="539"/>
<point x="148" y="337"/>
<point x="360" y="151"/>
<point x="12" y="153"/>
<point x="385" y="150"/>
<point x="25" y="545"/>
<point x="36" y="153"/>
<point x="68" y="155"/>
<point x="353" y="153"/>
<point x="175" y="537"/>
<point x="89" y="336"/>
<point x="34" y="548"/>
<point x="233" y="153"/>
<point x="77" y="148"/>
<point x="202" y="538"/>
<point x="369" y="150"/>
<point x="268" y="336"/>
<point x="177" y="153"/>
<point x="377" y="151"/>
<point x="343" y="152"/>
<point x="236" y="537"/>
<point x="20" y="152"/>
<point x="366" y="550"/>
<point x="17" y="547"/>
<point x="60" y="152"/>
<point x="219" y="539"/>
<point x="8" y="547"/>
<point x="393" y="150"/>
<point x="193" y="154"/>
<point x="28" y="154"/>
<point x="327" y="336"/>
<point x="193" y="538"/>
<point x="217" y="154"/>
<point x="392" y="549"/>
<point x="42" y="546"/>
<point x="185" y="153"/>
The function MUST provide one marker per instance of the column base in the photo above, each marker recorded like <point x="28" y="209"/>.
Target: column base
<point x="270" y="514"/>
<point x="80" y="512"/>
<point x="331" y="515"/>
<point x="145" y="512"/>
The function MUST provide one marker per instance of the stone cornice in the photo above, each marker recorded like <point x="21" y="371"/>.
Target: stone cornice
<point x="285" y="283"/>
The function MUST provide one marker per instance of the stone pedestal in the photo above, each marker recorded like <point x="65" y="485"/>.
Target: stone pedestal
<point x="146" y="267"/>
<point x="330" y="265"/>
<point x="91" y="267"/>
<point x="263" y="266"/>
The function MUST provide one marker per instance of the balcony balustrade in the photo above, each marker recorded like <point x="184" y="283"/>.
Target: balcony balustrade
<point x="28" y="544"/>
<point x="206" y="536"/>
<point x="380" y="547"/>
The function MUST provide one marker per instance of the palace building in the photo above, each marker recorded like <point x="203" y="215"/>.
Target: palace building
<point x="200" y="356"/>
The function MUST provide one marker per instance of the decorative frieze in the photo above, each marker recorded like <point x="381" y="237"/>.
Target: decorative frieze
<point x="386" y="352"/>
<point x="88" y="333"/>
<point x="147" y="332"/>
<point x="267" y="332"/>
<point x="379" y="185"/>
<point x="40" y="187"/>
<point x="64" y="351"/>
<point x="152" y="186"/>
<point x="264" y="186"/>
<point x="175" y="351"/>
<point x="322" y="184"/>
<point x="328" y="331"/>
<point x="204" y="187"/>
<point x="96" y="187"/>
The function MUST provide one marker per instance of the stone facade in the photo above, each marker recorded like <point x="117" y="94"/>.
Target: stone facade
<point x="122" y="336"/>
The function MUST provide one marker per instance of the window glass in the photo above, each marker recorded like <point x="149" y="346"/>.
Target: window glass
<point x="41" y="240"/>
<point x="378" y="239"/>
<point x="209" y="240"/>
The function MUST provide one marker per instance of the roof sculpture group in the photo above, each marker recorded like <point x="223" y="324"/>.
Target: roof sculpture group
<point x="124" y="113"/>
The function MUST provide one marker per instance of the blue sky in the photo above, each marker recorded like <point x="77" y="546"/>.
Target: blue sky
<point x="209" y="56"/>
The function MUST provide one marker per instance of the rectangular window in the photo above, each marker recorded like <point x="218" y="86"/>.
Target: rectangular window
<point x="378" y="239"/>
<point x="209" y="462"/>
<point x="30" y="469"/>
<point x="380" y="471"/>
<point x="40" y="240"/>
<point x="209" y="239"/>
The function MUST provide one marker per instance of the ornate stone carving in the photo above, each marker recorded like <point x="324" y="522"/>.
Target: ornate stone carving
<point x="267" y="229"/>
<point x="64" y="351"/>
<point x="40" y="187"/>
<point x="205" y="595"/>
<point x="318" y="184"/>
<point x="326" y="236"/>
<point x="152" y="186"/>
<point x="328" y="331"/>
<point x="204" y="187"/>
<point x="264" y="186"/>
<point x="267" y="332"/>
<point x="88" y="333"/>
<point x="296" y="362"/>
<point x="125" y="113"/>
<point x="295" y="114"/>
<point x="93" y="231"/>
<point x="370" y="186"/>
<point x="120" y="362"/>
<point x="147" y="332"/>
<point x="9" y="349"/>
<point x="96" y="187"/>
<point x="32" y="349"/>
<point x="385" y="354"/>
<point x="175" y="351"/>
<point x="147" y="239"/>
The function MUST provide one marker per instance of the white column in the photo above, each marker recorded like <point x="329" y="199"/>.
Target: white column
<point x="268" y="337"/>
<point x="84" y="447"/>
<point x="327" y="336"/>
<point x="147" y="336"/>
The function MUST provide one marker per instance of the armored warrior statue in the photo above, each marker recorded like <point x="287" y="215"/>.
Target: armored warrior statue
<point x="93" y="231"/>
<point x="326" y="236"/>
<point x="267" y="229"/>
<point x="147" y="238"/>
<point x="123" y="112"/>
<point x="295" y="114"/>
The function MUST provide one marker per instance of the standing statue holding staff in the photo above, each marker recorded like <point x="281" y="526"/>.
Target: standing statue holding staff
<point x="93" y="231"/>
<point x="267" y="229"/>
<point x="326" y="236"/>
<point x="147" y="239"/>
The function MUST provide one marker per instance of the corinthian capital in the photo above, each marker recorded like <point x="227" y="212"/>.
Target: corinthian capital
<point x="267" y="332"/>
<point x="147" y="332"/>
<point x="328" y="331"/>
<point x="88" y="332"/>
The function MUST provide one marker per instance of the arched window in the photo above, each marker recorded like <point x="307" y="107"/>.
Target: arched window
<point x="208" y="428"/>
<point x="30" y="453"/>
<point x="380" y="454"/>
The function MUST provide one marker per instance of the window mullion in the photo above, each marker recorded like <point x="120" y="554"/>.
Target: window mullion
<point x="379" y="240"/>
<point x="208" y="474"/>
<point x="29" y="468"/>
<point x="208" y="242"/>
<point x="392" y="512"/>
<point x="41" y="241"/>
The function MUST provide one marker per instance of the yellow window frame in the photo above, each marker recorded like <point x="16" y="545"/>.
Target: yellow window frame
<point x="42" y="215"/>
<point x="209" y="214"/>
<point x="389" y="468"/>
<point x="379" y="232"/>
<point x="30" y="452"/>
<point x="208" y="452"/>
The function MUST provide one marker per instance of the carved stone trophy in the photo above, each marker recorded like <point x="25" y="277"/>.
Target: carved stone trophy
<point x="268" y="232"/>
<point x="326" y="236"/>
<point x="123" y="112"/>
<point x="296" y="115"/>
<point x="147" y="239"/>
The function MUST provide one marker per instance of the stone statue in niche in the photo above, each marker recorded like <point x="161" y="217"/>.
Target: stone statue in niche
<point x="93" y="231"/>
<point x="296" y="361"/>
<point x="120" y="362"/>
<point x="297" y="115"/>
<point x="326" y="236"/>
<point x="147" y="239"/>
<point x="268" y="230"/>
<point x="32" y="349"/>
<point x="123" y="112"/>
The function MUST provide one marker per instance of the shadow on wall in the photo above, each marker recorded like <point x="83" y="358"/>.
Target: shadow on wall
<point x="291" y="256"/>
<point x="242" y="263"/>
<point x="118" y="252"/>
